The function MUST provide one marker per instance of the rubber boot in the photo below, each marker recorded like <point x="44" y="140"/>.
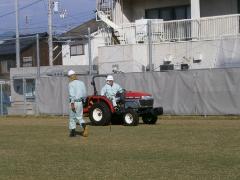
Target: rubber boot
<point x="85" y="130"/>
<point x="72" y="133"/>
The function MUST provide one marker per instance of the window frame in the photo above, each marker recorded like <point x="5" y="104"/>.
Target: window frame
<point x="7" y="64"/>
<point x="171" y="9"/>
<point x="27" y="61"/>
<point x="77" y="54"/>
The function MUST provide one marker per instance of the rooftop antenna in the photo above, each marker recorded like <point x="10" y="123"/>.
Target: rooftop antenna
<point x="27" y="22"/>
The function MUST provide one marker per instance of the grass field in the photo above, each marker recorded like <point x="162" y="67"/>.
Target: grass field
<point x="175" y="148"/>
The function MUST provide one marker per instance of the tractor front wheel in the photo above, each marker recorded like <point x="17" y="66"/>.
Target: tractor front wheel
<point x="149" y="119"/>
<point x="130" y="118"/>
<point x="100" y="114"/>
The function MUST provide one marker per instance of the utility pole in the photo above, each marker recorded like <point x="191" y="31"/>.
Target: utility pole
<point x="50" y="38"/>
<point x="17" y="36"/>
<point x="89" y="51"/>
<point x="38" y="75"/>
<point x="38" y="55"/>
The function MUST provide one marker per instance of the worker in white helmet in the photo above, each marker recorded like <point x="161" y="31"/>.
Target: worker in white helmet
<point x="77" y="92"/>
<point x="111" y="89"/>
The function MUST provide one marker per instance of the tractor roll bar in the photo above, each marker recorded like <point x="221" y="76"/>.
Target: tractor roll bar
<point x="93" y="82"/>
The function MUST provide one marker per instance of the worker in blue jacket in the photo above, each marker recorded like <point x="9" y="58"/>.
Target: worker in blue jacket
<point x="77" y="92"/>
<point x="111" y="89"/>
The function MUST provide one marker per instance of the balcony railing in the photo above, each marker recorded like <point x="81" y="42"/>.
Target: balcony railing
<point x="208" y="28"/>
<point x="105" y="6"/>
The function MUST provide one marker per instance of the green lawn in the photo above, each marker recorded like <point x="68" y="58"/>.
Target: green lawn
<point x="175" y="148"/>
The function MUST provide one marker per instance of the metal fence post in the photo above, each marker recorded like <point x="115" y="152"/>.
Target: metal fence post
<point x="149" y="24"/>
<point x="38" y="76"/>
<point x="36" y="97"/>
<point x="24" y="94"/>
<point x="61" y="94"/>
<point x="1" y="100"/>
<point x="90" y="51"/>
<point x="38" y="55"/>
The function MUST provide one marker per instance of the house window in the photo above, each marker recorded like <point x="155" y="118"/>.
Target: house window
<point x="6" y="65"/>
<point x="30" y="88"/>
<point x="77" y="50"/>
<point x="27" y="61"/>
<point x="238" y="6"/>
<point x="169" y="13"/>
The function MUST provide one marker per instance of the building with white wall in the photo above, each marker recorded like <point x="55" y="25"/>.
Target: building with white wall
<point x="75" y="49"/>
<point x="160" y="32"/>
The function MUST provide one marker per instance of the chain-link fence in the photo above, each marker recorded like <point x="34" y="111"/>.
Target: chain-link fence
<point x="33" y="53"/>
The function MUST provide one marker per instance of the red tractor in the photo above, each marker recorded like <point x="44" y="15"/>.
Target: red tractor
<point x="130" y="106"/>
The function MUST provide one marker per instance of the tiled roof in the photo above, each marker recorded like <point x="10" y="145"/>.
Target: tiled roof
<point x="83" y="28"/>
<point x="8" y="47"/>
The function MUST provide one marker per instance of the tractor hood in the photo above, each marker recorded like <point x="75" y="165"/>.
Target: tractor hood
<point x="137" y="95"/>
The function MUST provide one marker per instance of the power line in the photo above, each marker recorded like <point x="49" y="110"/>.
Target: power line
<point x="45" y="5"/>
<point x="24" y="7"/>
<point x="60" y="26"/>
<point x="73" y="17"/>
<point x="83" y="14"/>
<point x="82" y="18"/>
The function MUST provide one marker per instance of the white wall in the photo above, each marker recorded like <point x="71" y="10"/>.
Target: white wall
<point x="74" y="60"/>
<point x="82" y="59"/>
<point x="111" y="55"/>
<point x="184" y="53"/>
<point x="131" y="58"/>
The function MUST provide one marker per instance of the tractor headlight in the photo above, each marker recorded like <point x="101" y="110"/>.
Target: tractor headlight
<point x="146" y="97"/>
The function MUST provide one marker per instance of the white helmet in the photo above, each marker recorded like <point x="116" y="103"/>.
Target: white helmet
<point x="71" y="72"/>
<point x="109" y="78"/>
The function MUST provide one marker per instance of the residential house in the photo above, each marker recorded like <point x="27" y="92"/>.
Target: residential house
<point x="177" y="34"/>
<point x="75" y="49"/>
<point x="26" y="74"/>
<point x="28" y="53"/>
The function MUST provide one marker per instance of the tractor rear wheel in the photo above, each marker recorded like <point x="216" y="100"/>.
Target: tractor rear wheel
<point x="149" y="119"/>
<point x="100" y="114"/>
<point x="130" y="118"/>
